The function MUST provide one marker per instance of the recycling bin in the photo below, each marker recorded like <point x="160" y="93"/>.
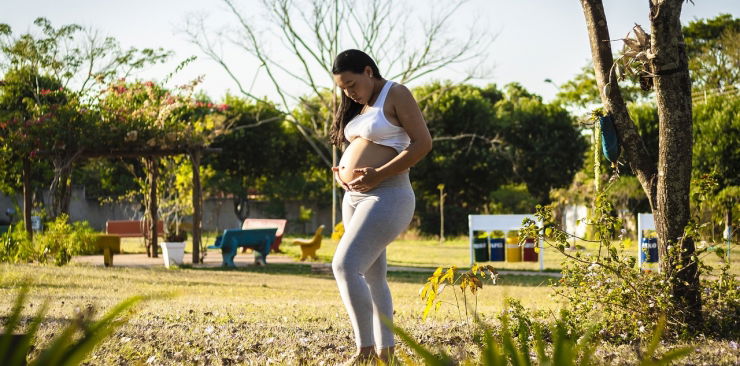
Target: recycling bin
<point x="513" y="250"/>
<point x="480" y="246"/>
<point x="498" y="243"/>
<point x="649" y="250"/>
<point x="529" y="252"/>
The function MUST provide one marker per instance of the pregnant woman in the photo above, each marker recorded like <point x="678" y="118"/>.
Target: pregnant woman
<point x="385" y="134"/>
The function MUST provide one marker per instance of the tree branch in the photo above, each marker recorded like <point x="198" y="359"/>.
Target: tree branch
<point x="635" y="151"/>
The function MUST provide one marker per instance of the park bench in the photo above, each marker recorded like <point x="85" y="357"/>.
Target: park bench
<point x="131" y="228"/>
<point x="110" y="243"/>
<point x="279" y="224"/>
<point x="258" y="239"/>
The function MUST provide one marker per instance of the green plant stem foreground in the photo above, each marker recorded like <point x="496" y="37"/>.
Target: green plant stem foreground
<point x="281" y="314"/>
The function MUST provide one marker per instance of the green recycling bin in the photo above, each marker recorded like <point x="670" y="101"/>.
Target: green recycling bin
<point x="480" y="246"/>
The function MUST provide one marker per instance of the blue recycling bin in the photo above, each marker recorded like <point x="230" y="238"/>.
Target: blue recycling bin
<point x="497" y="249"/>
<point x="649" y="250"/>
<point x="480" y="246"/>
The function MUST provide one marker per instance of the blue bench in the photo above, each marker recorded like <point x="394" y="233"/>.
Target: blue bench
<point x="258" y="239"/>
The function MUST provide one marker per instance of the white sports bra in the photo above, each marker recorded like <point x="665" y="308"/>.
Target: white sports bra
<point x="372" y="125"/>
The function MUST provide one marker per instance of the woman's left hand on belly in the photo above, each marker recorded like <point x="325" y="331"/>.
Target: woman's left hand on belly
<point x="368" y="179"/>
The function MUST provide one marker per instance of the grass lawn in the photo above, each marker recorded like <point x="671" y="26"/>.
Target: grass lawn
<point x="279" y="314"/>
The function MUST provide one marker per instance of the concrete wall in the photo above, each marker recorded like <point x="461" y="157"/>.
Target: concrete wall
<point x="218" y="214"/>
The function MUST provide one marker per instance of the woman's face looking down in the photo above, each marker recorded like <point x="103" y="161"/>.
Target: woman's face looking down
<point x="358" y="87"/>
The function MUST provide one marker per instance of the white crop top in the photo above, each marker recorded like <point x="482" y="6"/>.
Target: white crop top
<point x="372" y="125"/>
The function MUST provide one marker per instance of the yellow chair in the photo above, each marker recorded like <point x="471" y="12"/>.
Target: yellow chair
<point x="109" y="244"/>
<point x="310" y="246"/>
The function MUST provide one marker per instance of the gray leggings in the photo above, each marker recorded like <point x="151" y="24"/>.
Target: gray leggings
<point x="371" y="221"/>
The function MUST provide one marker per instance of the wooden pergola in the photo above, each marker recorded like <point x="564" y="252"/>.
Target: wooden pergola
<point x="195" y="155"/>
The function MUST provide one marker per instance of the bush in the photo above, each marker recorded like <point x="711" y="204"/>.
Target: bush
<point x="14" y="245"/>
<point x="721" y="297"/>
<point x="58" y="243"/>
<point x="625" y="302"/>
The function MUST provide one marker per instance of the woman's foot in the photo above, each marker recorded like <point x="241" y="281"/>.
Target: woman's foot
<point x="386" y="356"/>
<point x="365" y="356"/>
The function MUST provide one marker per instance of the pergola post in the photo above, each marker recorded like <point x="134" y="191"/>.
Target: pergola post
<point x="195" y="156"/>
<point x="152" y="209"/>
<point x="27" y="202"/>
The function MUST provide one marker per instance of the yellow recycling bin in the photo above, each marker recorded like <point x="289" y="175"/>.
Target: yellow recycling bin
<point x="513" y="250"/>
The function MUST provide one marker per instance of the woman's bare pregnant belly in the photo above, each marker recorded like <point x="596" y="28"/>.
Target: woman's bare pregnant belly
<point x="362" y="153"/>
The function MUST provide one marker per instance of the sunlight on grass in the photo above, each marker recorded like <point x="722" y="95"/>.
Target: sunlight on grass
<point x="252" y="313"/>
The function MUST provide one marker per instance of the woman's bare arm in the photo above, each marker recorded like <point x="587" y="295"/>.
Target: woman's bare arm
<point x="409" y="115"/>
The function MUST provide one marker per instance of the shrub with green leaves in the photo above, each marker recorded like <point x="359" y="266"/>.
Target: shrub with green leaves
<point x="57" y="244"/>
<point x="625" y="302"/>
<point x="15" y="245"/>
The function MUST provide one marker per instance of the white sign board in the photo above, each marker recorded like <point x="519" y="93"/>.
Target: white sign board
<point x="499" y="222"/>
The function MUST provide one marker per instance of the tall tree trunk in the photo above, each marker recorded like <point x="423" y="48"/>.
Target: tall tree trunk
<point x="195" y="157"/>
<point x="666" y="182"/>
<point x="27" y="197"/>
<point x="673" y="97"/>
<point x="152" y="216"/>
<point x="61" y="188"/>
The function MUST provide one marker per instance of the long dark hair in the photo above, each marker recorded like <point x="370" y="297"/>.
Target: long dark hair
<point x="353" y="61"/>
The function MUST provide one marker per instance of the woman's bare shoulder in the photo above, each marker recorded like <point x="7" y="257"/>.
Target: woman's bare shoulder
<point x="399" y="90"/>
<point x="400" y="95"/>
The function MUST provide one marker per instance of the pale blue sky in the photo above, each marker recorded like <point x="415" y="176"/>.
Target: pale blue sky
<point x="536" y="39"/>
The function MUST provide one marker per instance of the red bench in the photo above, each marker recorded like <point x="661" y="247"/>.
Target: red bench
<point x="131" y="228"/>
<point x="268" y="223"/>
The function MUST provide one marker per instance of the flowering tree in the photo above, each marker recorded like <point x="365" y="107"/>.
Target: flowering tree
<point x="35" y="66"/>
<point x="146" y="120"/>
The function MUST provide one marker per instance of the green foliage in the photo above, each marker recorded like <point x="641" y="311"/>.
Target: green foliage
<point x="105" y="179"/>
<point x="721" y="302"/>
<point x="73" y="55"/>
<point x="485" y="138"/>
<point x="714" y="63"/>
<point x="716" y="133"/>
<point x="582" y="91"/>
<point x="558" y="345"/>
<point x="607" y="287"/>
<point x="511" y="199"/>
<point x="715" y="158"/>
<point x="72" y="345"/>
<point x="466" y="157"/>
<point x="619" y="298"/>
<point x="543" y="144"/>
<point x="57" y="243"/>
<point x="713" y="49"/>
<point x="469" y="281"/>
<point x="15" y="245"/>
<point x="263" y="154"/>
<point x="645" y="117"/>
